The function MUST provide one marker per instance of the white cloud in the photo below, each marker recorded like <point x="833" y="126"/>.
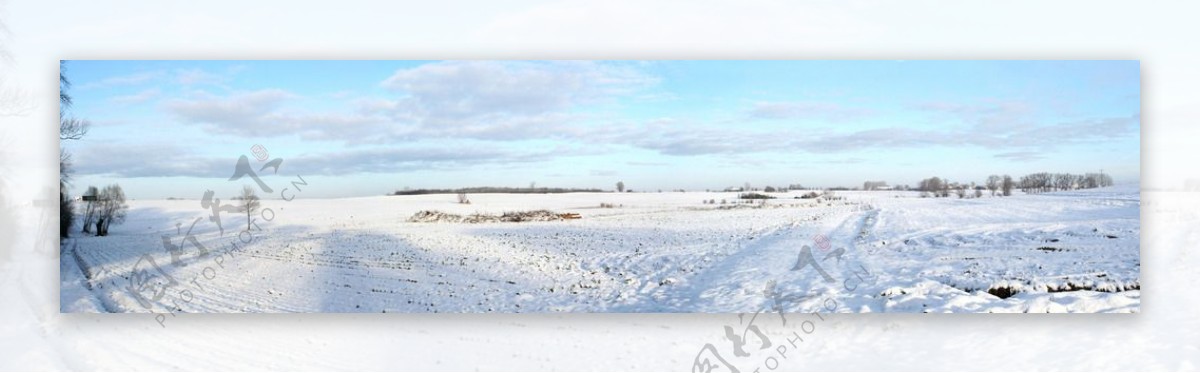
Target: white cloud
<point x="408" y="158"/>
<point x="989" y="115"/>
<point x="136" y="98"/>
<point x="129" y="160"/>
<point x="457" y="89"/>
<point x="505" y="99"/>
<point x="199" y="76"/>
<point x="698" y="139"/>
<point x="515" y="101"/>
<point x="148" y="160"/>
<point x="241" y="114"/>
<point x="123" y="80"/>
<point x="807" y="110"/>
<point x="497" y="101"/>
<point x="1021" y="156"/>
<point x="265" y="113"/>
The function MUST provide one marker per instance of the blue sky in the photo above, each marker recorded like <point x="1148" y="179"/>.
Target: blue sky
<point x="356" y="128"/>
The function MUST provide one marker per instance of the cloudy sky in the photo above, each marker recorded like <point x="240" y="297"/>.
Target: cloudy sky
<point x="356" y="128"/>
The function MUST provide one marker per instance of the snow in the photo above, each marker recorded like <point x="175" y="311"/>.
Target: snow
<point x="888" y="251"/>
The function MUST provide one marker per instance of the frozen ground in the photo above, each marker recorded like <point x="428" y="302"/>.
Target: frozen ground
<point x="654" y="252"/>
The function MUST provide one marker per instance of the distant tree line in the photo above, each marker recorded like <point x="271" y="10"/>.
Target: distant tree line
<point x="1047" y="182"/>
<point x="747" y="187"/>
<point x="932" y="187"/>
<point x="754" y="196"/>
<point x="1005" y="184"/>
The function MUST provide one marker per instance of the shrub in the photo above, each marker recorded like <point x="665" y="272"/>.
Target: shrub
<point x="66" y="213"/>
<point x="754" y="196"/>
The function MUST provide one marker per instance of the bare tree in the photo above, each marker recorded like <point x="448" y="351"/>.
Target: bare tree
<point x="1006" y="185"/>
<point x="69" y="130"/>
<point x="620" y="186"/>
<point x="111" y="208"/>
<point x="462" y="198"/>
<point x="1090" y="180"/>
<point x="1063" y="181"/>
<point x="72" y="128"/>
<point x="250" y="203"/>
<point x="64" y="99"/>
<point x="939" y="186"/>
<point x="89" y="212"/>
<point x="934" y="186"/>
<point x="66" y="209"/>
<point x="1045" y="181"/>
<point x="993" y="183"/>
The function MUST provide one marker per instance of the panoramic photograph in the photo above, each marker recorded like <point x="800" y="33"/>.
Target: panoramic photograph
<point x="666" y="186"/>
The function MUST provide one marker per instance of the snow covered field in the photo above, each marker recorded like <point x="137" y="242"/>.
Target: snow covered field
<point x="654" y="252"/>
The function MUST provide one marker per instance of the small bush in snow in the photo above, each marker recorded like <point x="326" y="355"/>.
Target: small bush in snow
<point x="754" y="196"/>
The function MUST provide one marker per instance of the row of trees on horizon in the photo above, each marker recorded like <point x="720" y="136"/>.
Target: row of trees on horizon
<point x="1004" y="184"/>
<point x="935" y="186"/>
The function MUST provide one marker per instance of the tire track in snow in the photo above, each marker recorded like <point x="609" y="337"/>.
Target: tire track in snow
<point x="736" y="283"/>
